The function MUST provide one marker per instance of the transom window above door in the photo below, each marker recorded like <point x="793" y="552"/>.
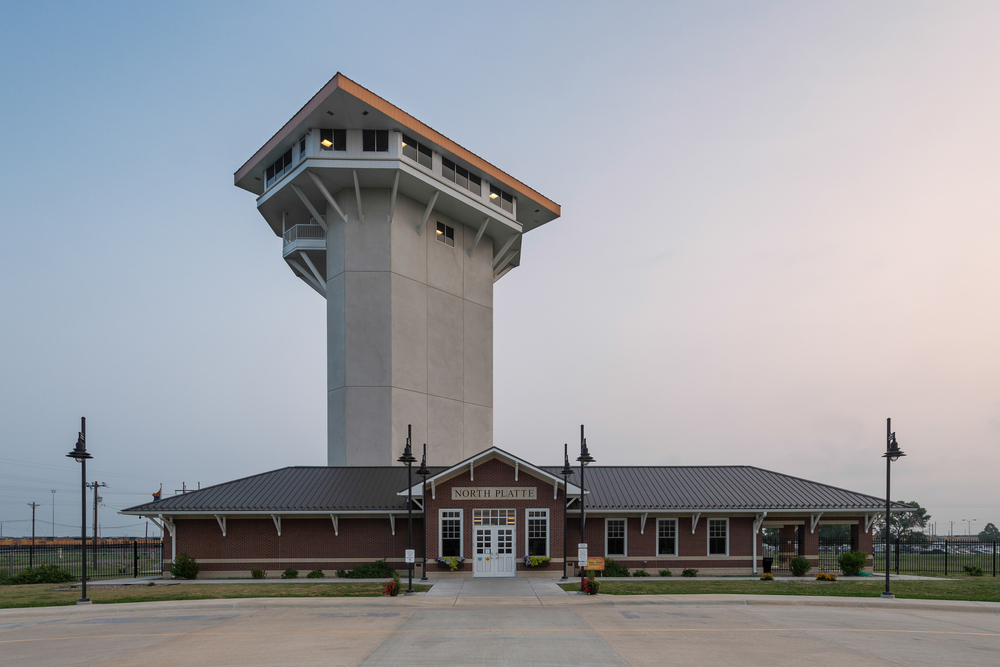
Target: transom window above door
<point x="494" y="517"/>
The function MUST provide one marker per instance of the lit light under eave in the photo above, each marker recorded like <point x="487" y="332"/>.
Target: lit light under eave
<point x="326" y="143"/>
<point x="493" y="195"/>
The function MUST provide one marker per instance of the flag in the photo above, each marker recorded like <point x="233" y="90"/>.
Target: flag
<point x="156" y="496"/>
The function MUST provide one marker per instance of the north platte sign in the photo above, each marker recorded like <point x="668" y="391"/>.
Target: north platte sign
<point x="494" y="493"/>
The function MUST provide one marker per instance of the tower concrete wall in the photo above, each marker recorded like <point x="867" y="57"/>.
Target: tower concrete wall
<point x="410" y="334"/>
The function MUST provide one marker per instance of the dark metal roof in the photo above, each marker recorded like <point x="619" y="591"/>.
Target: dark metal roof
<point x="711" y="487"/>
<point x="673" y="488"/>
<point x="296" y="489"/>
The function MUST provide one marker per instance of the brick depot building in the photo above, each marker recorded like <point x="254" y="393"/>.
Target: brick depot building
<point x="494" y="508"/>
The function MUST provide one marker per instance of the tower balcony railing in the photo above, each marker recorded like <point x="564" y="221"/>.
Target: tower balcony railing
<point x="297" y="232"/>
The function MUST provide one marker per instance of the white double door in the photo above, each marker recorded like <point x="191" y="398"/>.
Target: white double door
<point x="494" y="551"/>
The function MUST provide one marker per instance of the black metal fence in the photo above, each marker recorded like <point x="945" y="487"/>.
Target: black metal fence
<point x="109" y="559"/>
<point x="945" y="557"/>
<point x="930" y="557"/>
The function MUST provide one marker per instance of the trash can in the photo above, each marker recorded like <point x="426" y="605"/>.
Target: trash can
<point x="767" y="565"/>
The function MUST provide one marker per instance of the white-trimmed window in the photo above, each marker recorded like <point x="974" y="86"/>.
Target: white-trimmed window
<point x="375" y="141"/>
<point x="666" y="537"/>
<point x="718" y="537"/>
<point x="537" y="532"/>
<point x="418" y="152"/>
<point x="281" y="166"/>
<point x="615" y="537"/>
<point x="450" y="533"/>
<point x="459" y="175"/>
<point x="504" y="200"/>
<point x="446" y="234"/>
<point x="333" y="140"/>
<point x="302" y="147"/>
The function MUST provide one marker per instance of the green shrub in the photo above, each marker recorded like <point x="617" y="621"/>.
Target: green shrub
<point x="257" y="573"/>
<point x="290" y="573"/>
<point x="666" y="573"/>
<point x="614" y="569"/>
<point x="852" y="562"/>
<point x="315" y="574"/>
<point x="640" y="573"/>
<point x="43" y="574"/>
<point x="799" y="566"/>
<point x="377" y="570"/>
<point x="690" y="572"/>
<point x="151" y="584"/>
<point x="973" y="571"/>
<point x="184" y="567"/>
<point x="341" y="572"/>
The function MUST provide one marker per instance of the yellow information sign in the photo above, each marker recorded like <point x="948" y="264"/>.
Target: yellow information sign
<point x="595" y="563"/>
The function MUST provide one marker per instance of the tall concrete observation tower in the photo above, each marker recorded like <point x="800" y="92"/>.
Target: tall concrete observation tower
<point x="403" y="232"/>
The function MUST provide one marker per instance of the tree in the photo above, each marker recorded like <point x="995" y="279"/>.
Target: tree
<point x="905" y="525"/>
<point x="989" y="534"/>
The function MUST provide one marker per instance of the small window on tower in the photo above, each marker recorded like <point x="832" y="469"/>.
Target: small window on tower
<point x="302" y="148"/>
<point x="504" y="200"/>
<point x="375" y="141"/>
<point x="446" y="234"/>
<point x="333" y="140"/>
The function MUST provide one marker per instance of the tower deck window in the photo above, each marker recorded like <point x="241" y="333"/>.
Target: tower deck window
<point x="302" y="148"/>
<point x="281" y="166"/>
<point x="446" y="234"/>
<point x="461" y="176"/>
<point x="375" y="141"/>
<point x="333" y="140"/>
<point x="418" y="152"/>
<point x="504" y="200"/>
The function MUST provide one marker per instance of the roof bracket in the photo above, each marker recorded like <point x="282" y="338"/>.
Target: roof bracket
<point x="758" y="522"/>
<point x="869" y="521"/>
<point x="479" y="235"/>
<point x="308" y="277"/>
<point x="503" y="250"/>
<point x="392" y="199"/>
<point x="308" y="204"/>
<point x="327" y="196"/>
<point x="222" y="523"/>
<point x="357" y="191"/>
<point x="555" y="490"/>
<point x="694" y="521"/>
<point x="336" y="528"/>
<point x="276" y="518"/>
<point x="472" y="477"/>
<point x="392" y="523"/>
<point x="433" y="493"/>
<point x="814" y="521"/>
<point x="642" y="523"/>
<point x="312" y="267"/>
<point x="427" y="212"/>
<point x="515" y="471"/>
<point x="419" y="502"/>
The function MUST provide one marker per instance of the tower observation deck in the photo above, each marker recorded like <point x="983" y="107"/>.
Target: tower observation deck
<point x="403" y="232"/>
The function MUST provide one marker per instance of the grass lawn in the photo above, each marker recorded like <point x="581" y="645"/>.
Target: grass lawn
<point x="985" y="589"/>
<point x="45" y="595"/>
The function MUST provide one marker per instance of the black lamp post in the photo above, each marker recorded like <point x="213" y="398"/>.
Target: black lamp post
<point x="80" y="454"/>
<point x="424" y="472"/>
<point x="566" y="472"/>
<point x="892" y="453"/>
<point x="407" y="458"/>
<point x="584" y="459"/>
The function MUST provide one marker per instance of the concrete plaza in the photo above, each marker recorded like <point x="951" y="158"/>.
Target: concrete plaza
<point x="527" y="623"/>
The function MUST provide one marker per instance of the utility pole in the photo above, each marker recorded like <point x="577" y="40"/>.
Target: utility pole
<point x="31" y="559"/>
<point x="53" y="514"/>
<point x="95" y="485"/>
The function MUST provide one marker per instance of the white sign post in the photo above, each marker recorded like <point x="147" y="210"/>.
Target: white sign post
<point x="581" y="554"/>
<point x="411" y="555"/>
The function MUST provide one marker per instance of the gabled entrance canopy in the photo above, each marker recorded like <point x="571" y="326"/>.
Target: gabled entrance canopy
<point x="469" y="465"/>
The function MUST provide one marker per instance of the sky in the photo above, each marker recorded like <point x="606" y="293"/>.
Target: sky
<point x="780" y="228"/>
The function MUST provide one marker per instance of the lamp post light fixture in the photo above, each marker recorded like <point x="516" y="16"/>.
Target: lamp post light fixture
<point x="566" y="472"/>
<point x="970" y="522"/>
<point x="80" y="454"/>
<point x="892" y="453"/>
<point x="407" y="459"/>
<point x="423" y="471"/>
<point x="583" y="459"/>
